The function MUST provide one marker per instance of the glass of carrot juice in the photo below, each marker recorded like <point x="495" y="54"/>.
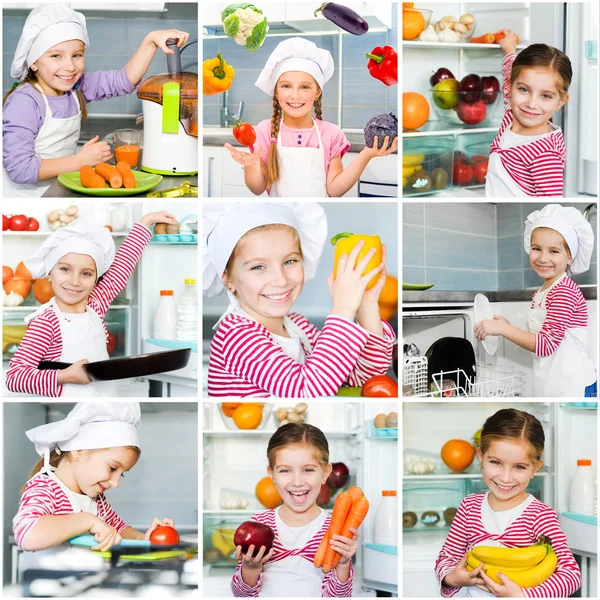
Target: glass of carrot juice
<point x="127" y="146"/>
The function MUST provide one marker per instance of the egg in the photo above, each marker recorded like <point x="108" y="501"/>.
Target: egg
<point x="392" y="420"/>
<point x="380" y="421"/>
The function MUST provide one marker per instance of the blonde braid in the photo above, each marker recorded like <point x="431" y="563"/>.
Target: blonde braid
<point x="319" y="107"/>
<point x="273" y="158"/>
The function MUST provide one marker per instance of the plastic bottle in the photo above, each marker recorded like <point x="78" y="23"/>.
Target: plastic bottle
<point x="583" y="489"/>
<point x="164" y="324"/>
<point x="187" y="313"/>
<point x="385" y="530"/>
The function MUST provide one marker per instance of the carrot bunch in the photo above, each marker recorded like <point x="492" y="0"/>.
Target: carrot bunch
<point x="490" y="38"/>
<point x="349" y="511"/>
<point x="116" y="177"/>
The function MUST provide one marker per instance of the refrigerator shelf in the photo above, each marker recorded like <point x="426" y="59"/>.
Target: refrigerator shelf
<point x="436" y="128"/>
<point x="455" y="45"/>
<point x="472" y="476"/>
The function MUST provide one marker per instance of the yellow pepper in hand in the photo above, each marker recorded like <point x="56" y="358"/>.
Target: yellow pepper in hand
<point x="217" y="76"/>
<point x="345" y="242"/>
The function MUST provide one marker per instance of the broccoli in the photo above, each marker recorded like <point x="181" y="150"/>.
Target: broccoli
<point x="246" y="24"/>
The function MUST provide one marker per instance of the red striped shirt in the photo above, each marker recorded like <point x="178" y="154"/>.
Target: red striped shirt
<point x="538" y="166"/>
<point x="537" y="519"/>
<point x="43" y="496"/>
<point x="245" y="361"/>
<point x="43" y="340"/>
<point x="330" y="586"/>
<point x="566" y="308"/>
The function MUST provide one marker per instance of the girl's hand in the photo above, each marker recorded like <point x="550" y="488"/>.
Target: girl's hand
<point x="509" y="590"/>
<point x="158" y="523"/>
<point x="159" y="38"/>
<point x="105" y="535"/>
<point x="162" y="216"/>
<point x="489" y="327"/>
<point x="246" y="159"/>
<point x="348" y="289"/>
<point x="460" y="577"/>
<point x="509" y="42"/>
<point x="372" y="296"/>
<point x="250" y="562"/>
<point x="347" y="547"/>
<point x="94" y="152"/>
<point x="386" y="149"/>
<point x="74" y="374"/>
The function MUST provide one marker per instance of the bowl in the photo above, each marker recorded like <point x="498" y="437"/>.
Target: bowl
<point x="452" y="108"/>
<point x="427" y="168"/>
<point x="229" y="407"/>
<point x="464" y="37"/>
<point x="427" y="16"/>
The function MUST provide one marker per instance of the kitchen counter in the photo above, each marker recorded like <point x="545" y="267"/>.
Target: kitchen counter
<point x="458" y="297"/>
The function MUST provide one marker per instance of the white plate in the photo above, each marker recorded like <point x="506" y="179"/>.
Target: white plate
<point x="483" y="311"/>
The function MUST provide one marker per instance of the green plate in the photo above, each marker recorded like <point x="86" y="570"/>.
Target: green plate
<point x="144" y="183"/>
<point x="416" y="286"/>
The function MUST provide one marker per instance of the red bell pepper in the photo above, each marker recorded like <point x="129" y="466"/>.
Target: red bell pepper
<point x="383" y="64"/>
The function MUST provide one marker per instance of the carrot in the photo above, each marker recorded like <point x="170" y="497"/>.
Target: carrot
<point x="486" y="38"/>
<point x="355" y="492"/>
<point x="320" y="553"/>
<point x="341" y="508"/>
<point x="356" y="516"/>
<point x="90" y="179"/>
<point x="500" y="36"/>
<point x="110" y="174"/>
<point x="126" y="173"/>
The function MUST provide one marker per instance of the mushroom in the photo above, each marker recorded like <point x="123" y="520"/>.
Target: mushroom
<point x="460" y="28"/>
<point x="467" y="19"/>
<point x="72" y="211"/>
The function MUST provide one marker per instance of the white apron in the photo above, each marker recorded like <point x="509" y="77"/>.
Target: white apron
<point x="301" y="171"/>
<point x="57" y="138"/>
<point x="82" y="337"/>
<point x="569" y="370"/>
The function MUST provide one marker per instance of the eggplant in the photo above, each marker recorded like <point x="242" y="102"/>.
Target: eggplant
<point x="345" y="18"/>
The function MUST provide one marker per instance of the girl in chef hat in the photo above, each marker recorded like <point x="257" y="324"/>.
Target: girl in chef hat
<point x="560" y="242"/>
<point x="86" y="276"/>
<point x="295" y="155"/>
<point x="43" y="112"/>
<point x="84" y="455"/>
<point x="262" y="254"/>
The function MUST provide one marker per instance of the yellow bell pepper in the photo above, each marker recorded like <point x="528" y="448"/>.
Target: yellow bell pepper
<point x="345" y="242"/>
<point x="217" y="76"/>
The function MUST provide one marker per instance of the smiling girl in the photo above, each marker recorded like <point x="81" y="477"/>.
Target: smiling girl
<point x="298" y="456"/>
<point x="43" y="112"/>
<point x="507" y="516"/>
<point x="527" y="157"/>
<point x="295" y="154"/>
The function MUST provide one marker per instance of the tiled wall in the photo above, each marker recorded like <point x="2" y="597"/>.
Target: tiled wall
<point x="362" y="96"/>
<point x="114" y="38"/>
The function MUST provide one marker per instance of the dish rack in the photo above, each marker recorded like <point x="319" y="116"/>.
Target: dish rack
<point x="490" y="381"/>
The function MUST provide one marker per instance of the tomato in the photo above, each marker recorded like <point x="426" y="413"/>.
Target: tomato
<point x="380" y="386"/>
<point x="480" y="169"/>
<point x="33" y="224"/>
<point x="5" y="222"/>
<point x="164" y="535"/>
<point x="18" y="223"/>
<point x="111" y="344"/>
<point x="244" y="133"/>
<point x="463" y="173"/>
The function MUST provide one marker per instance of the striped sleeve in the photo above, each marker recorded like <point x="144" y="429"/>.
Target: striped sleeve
<point x="110" y="516"/>
<point x="115" y="279"/>
<point x="331" y="587"/>
<point x="250" y="354"/>
<point x="42" y="341"/>
<point x="566" y="579"/>
<point x="376" y="357"/>
<point x="547" y="173"/>
<point x="507" y="64"/>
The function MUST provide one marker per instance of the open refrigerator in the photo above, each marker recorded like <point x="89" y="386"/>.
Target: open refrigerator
<point x="571" y="27"/>
<point x="234" y="460"/>
<point x="571" y="433"/>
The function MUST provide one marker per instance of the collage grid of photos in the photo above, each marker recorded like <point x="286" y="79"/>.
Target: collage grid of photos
<point x="302" y="426"/>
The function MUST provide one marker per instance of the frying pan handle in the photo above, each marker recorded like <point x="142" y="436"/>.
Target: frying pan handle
<point x="50" y="365"/>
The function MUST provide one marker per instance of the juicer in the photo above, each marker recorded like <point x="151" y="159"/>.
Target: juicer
<point x="170" y="107"/>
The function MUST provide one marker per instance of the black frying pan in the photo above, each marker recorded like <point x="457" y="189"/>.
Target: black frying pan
<point x="131" y="366"/>
<point x="449" y="354"/>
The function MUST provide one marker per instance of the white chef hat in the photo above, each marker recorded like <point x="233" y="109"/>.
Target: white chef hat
<point x="225" y="223"/>
<point x="80" y="236"/>
<point x="46" y="26"/>
<point x="89" y="426"/>
<point x="296" y="54"/>
<point x="571" y="224"/>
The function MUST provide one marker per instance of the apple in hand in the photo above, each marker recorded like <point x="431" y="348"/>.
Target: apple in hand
<point x="339" y="476"/>
<point x="491" y="89"/>
<point x="440" y="75"/>
<point x="471" y="114"/>
<point x="253" y="532"/>
<point x="471" y="88"/>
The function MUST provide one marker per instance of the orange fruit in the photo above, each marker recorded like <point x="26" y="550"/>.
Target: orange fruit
<point x="247" y="416"/>
<point x="389" y="293"/>
<point x="229" y="407"/>
<point x="415" y="110"/>
<point x="23" y="271"/>
<point x="406" y="5"/>
<point x="387" y="312"/>
<point x="267" y="493"/>
<point x="413" y="24"/>
<point x="457" y="454"/>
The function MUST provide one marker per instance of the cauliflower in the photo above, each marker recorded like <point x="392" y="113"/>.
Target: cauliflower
<point x="246" y="24"/>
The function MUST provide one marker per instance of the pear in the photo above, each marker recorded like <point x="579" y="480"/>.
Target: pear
<point x="445" y="94"/>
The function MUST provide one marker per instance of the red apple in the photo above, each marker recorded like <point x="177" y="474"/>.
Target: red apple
<point x="253" y="532"/>
<point x="473" y="113"/>
<point x="324" y="495"/>
<point x="470" y="88"/>
<point x="439" y="75"/>
<point x="339" y="476"/>
<point x="491" y="89"/>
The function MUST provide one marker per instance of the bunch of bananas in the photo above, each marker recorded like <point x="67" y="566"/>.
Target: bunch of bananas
<point x="527" y="567"/>
<point x="222" y="540"/>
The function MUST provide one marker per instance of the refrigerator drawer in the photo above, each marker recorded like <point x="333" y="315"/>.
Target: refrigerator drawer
<point x="581" y="537"/>
<point x="380" y="566"/>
